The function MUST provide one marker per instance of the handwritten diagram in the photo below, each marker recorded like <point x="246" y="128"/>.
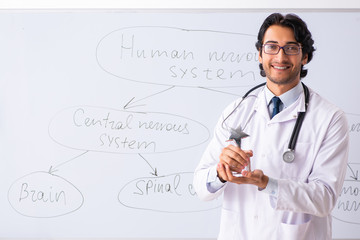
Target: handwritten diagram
<point x="130" y="54"/>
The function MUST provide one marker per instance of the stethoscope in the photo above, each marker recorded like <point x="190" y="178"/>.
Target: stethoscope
<point x="289" y="154"/>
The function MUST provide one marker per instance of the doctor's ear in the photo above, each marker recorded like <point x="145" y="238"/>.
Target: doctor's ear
<point x="304" y="59"/>
<point x="262" y="72"/>
<point x="260" y="56"/>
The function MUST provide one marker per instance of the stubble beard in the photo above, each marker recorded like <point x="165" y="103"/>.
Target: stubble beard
<point x="294" y="76"/>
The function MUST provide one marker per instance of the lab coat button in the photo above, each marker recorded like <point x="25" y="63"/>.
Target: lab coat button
<point x="256" y="217"/>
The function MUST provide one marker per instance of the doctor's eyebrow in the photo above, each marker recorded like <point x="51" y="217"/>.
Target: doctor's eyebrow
<point x="291" y="42"/>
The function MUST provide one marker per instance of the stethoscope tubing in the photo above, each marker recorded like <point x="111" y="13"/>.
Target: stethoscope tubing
<point x="299" y="121"/>
<point x="288" y="155"/>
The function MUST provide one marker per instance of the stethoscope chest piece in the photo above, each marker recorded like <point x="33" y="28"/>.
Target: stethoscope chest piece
<point x="289" y="156"/>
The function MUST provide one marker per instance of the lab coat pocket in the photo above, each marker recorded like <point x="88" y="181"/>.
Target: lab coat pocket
<point x="229" y="219"/>
<point x="300" y="168"/>
<point x="302" y="231"/>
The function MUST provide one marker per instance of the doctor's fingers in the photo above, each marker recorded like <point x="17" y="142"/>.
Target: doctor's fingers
<point x="236" y="160"/>
<point x="245" y="154"/>
<point x="235" y="164"/>
<point x="224" y="172"/>
<point x="256" y="177"/>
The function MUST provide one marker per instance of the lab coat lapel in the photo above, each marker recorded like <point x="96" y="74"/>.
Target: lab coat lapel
<point x="292" y="111"/>
<point x="289" y="113"/>
<point x="260" y="105"/>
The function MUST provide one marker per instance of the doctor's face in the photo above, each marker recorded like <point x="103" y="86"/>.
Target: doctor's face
<point x="280" y="68"/>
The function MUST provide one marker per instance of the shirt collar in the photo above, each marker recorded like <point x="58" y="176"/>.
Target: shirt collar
<point x="286" y="98"/>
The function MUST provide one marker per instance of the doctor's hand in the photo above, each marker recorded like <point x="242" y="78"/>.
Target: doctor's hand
<point x="256" y="177"/>
<point x="236" y="158"/>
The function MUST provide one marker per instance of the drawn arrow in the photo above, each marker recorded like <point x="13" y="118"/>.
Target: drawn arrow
<point x="131" y="103"/>
<point x="55" y="169"/>
<point x="52" y="170"/>
<point x="154" y="172"/>
<point x="354" y="176"/>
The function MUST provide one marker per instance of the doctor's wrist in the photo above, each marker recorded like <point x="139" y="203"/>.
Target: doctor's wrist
<point x="264" y="180"/>
<point x="221" y="180"/>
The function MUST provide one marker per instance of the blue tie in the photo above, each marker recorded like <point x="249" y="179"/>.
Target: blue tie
<point x="276" y="101"/>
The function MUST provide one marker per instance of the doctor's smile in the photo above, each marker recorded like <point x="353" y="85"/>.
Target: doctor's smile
<point x="279" y="152"/>
<point x="280" y="67"/>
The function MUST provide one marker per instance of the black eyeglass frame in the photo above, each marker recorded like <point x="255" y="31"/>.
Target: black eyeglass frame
<point x="283" y="48"/>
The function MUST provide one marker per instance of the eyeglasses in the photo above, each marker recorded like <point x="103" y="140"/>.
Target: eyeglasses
<point x="273" y="49"/>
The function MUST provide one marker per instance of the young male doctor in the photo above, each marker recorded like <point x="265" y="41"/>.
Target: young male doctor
<point x="297" y="171"/>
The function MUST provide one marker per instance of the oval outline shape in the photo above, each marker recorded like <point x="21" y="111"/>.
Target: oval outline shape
<point x="156" y="210"/>
<point x="134" y="112"/>
<point x="177" y="29"/>
<point x="54" y="175"/>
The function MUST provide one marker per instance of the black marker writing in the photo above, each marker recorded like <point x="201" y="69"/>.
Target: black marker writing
<point x="44" y="195"/>
<point x="233" y="57"/>
<point x="169" y="127"/>
<point x="355" y="127"/>
<point x="348" y="206"/>
<point x="209" y="73"/>
<point x="129" y="49"/>
<point x="84" y="119"/>
<point x="125" y="143"/>
<point x="155" y="186"/>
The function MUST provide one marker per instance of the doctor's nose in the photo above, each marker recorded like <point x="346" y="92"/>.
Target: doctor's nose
<point x="281" y="55"/>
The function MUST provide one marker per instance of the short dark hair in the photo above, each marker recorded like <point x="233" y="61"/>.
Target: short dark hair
<point x="301" y="32"/>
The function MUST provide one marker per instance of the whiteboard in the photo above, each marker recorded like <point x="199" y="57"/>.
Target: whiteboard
<point x="105" y="115"/>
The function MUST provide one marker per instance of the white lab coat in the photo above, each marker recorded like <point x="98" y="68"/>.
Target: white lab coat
<point x="307" y="188"/>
